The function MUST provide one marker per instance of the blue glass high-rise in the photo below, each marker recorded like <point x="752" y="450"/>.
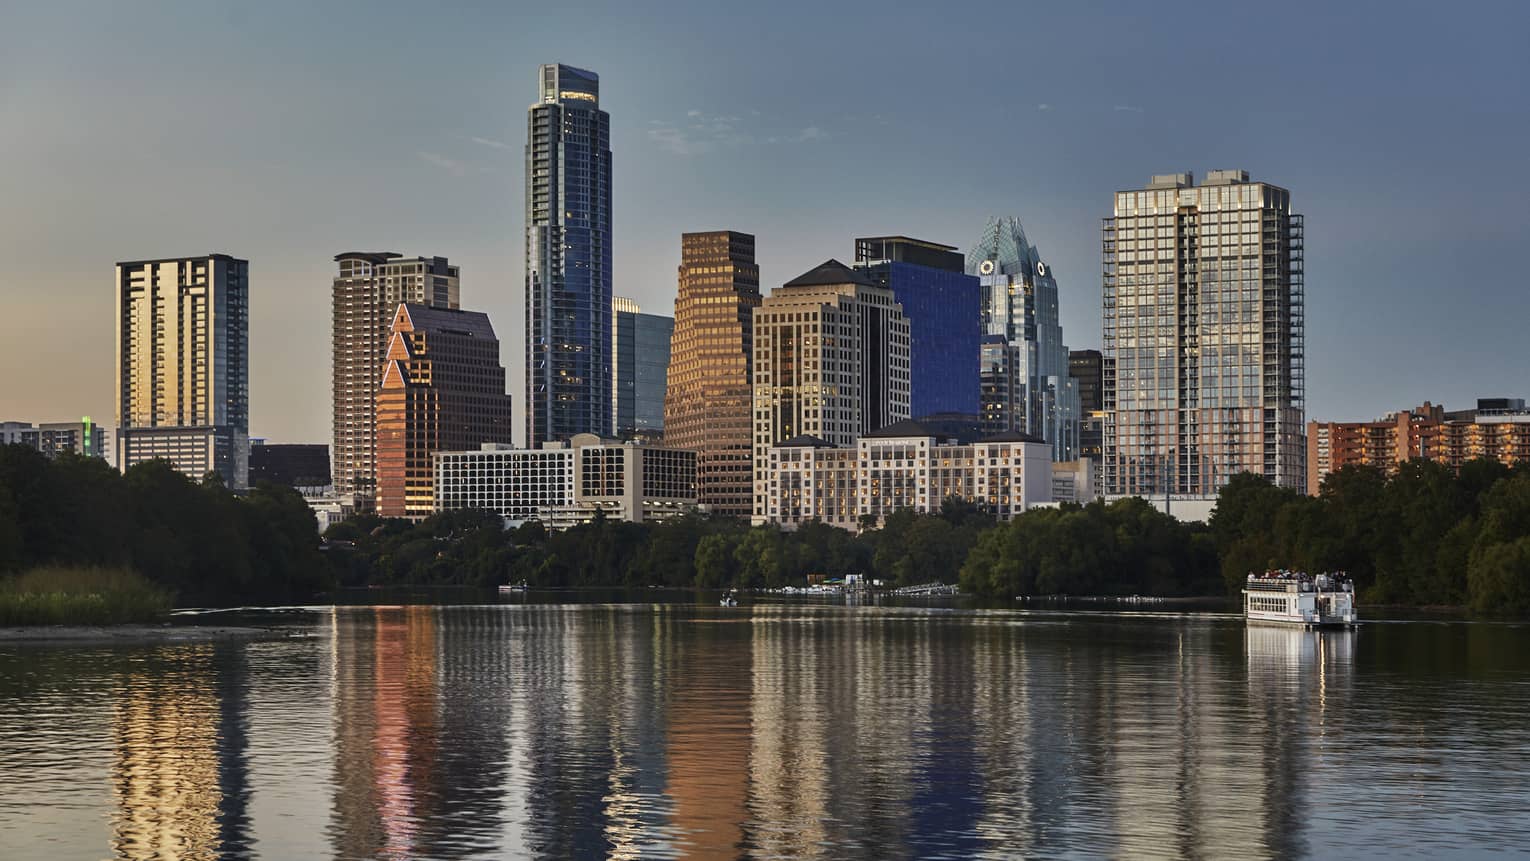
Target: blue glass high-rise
<point x="639" y="369"/>
<point x="568" y="259"/>
<point x="943" y="307"/>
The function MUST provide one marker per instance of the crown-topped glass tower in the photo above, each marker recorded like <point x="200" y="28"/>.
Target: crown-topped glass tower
<point x="568" y="258"/>
<point x="1026" y="384"/>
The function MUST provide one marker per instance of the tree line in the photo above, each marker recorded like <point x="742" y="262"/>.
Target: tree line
<point x="1422" y="534"/>
<point x="196" y="540"/>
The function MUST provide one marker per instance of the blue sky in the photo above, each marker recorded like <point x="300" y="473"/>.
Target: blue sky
<point x="285" y="132"/>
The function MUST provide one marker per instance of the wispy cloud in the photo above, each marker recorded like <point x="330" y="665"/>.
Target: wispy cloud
<point x="702" y="133"/>
<point x="451" y="166"/>
<point x="811" y="133"/>
<point x="1131" y="109"/>
<point x="489" y="142"/>
<point x="1043" y="107"/>
<point x="678" y="141"/>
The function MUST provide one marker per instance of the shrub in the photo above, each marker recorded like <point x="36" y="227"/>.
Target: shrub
<point x="63" y="595"/>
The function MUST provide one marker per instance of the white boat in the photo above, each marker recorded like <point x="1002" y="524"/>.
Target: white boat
<point x="511" y="588"/>
<point x="1298" y="598"/>
<point x="728" y="600"/>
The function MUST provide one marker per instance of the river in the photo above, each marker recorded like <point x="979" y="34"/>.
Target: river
<point x="774" y="730"/>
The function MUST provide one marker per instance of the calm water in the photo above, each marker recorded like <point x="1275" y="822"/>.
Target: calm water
<point x="771" y="732"/>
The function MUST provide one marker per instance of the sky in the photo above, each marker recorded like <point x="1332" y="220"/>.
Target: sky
<point x="286" y="132"/>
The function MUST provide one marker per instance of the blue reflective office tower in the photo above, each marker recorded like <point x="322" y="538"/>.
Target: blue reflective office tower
<point x="942" y="304"/>
<point x="568" y="259"/>
<point x="639" y="369"/>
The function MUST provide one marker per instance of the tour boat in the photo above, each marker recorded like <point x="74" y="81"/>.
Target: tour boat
<point x="1298" y="598"/>
<point x="509" y="588"/>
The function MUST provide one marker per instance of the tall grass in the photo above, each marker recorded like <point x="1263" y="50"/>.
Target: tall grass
<point x="67" y="595"/>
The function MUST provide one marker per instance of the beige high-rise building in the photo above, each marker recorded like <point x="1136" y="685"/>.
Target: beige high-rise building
<point x="831" y="361"/>
<point x="708" y="402"/>
<point x="183" y="391"/>
<point x="367" y="291"/>
<point x="1203" y="326"/>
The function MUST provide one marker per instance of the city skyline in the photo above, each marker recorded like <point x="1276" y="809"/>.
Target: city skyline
<point x="694" y="155"/>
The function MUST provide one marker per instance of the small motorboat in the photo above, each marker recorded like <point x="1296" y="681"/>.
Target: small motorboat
<point x="512" y="588"/>
<point x="728" y="600"/>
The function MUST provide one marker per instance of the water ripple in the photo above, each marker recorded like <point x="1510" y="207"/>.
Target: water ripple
<point x="657" y="731"/>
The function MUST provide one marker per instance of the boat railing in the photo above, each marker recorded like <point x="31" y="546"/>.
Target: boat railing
<point x="1296" y="582"/>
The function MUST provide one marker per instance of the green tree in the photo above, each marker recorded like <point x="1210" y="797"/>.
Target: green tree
<point x="715" y="563"/>
<point x="1500" y="578"/>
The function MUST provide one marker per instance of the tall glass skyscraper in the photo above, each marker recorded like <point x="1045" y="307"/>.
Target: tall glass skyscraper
<point x="639" y="369"/>
<point x="941" y="303"/>
<point x="1204" y="324"/>
<point x="1020" y="306"/>
<point x="568" y="259"/>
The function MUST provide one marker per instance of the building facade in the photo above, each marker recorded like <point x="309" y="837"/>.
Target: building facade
<point x="1074" y="481"/>
<point x="1203" y="326"/>
<point x="183" y="392"/>
<point x="442" y="389"/>
<point x="831" y="360"/>
<point x="367" y="290"/>
<point x="1087" y="367"/>
<point x="568" y="258"/>
<point x="84" y="437"/>
<point x="903" y="467"/>
<point x="942" y="304"/>
<point x="1025" y="380"/>
<point x="302" y="467"/>
<point x="708" y="404"/>
<point x="1499" y="429"/>
<point x="562" y="485"/>
<point x="639" y="369"/>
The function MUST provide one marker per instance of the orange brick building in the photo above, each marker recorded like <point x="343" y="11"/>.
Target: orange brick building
<point x="1499" y="429"/>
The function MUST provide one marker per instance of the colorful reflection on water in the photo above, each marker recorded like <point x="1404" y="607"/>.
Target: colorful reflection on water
<point x="644" y="731"/>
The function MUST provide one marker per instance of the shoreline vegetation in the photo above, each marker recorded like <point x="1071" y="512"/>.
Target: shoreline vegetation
<point x="1419" y="536"/>
<point x="82" y="544"/>
<point x="66" y="595"/>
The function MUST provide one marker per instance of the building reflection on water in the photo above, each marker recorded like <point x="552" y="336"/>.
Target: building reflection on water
<point x="779" y="731"/>
<point x="179" y="771"/>
<point x="557" y="731"/>
<point x="708" y="736"/>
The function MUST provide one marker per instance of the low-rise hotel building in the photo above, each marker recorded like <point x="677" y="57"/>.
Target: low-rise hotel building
<point x="903" y="466"/>
<point x="563" y="485"/>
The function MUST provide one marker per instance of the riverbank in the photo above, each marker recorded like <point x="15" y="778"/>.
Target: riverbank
<point x="130" y="634"/>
